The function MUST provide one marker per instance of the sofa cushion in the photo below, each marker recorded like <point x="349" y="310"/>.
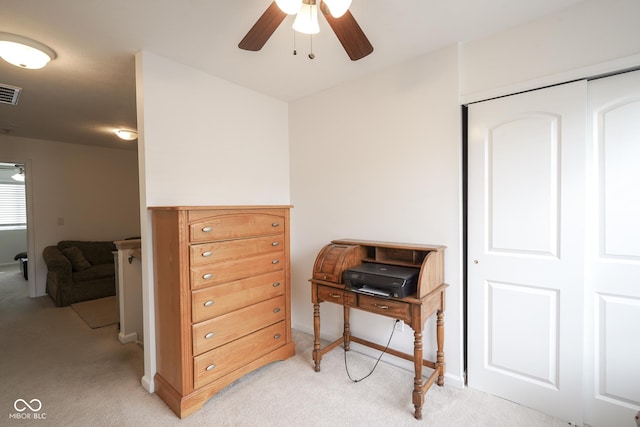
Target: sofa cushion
<point x="96" y="272"/>
<point x="95" y="252"/>
<point x="78" y="261"/>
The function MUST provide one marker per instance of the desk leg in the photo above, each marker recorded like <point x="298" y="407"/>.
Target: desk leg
<point x="418" y="392"/>
<point x="317" y="354"/>
<point x="347" y="330"/>
<point x="440" y="365"/>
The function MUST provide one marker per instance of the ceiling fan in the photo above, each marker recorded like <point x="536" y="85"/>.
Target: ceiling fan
<point x="336" y="12"/>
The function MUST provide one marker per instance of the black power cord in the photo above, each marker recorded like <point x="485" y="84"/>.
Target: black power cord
<point x="377" y="361"/>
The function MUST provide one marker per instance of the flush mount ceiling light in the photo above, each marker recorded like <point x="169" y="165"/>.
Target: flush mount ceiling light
<point x="127" y="135"/>
<point x="23" y="52"/>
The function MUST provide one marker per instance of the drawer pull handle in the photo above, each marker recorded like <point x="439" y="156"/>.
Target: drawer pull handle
<point x="277" y="336"/>
<point x="209" y="336"/>
<point x="275" y="244"/>
<point x="207" y="229"/>
<point x="275" y="261"/>
<point x="335" y="295"/>
<point x="207" y="276"/>
<point x="275" y="224"/>
<point x="276" y="310"/>
<point x="210" y="367"/>
<point x="208" y="303"/>
<point x="276" y="284"/>
<point x="382" y="306"/>
<point x="206" y="254"/>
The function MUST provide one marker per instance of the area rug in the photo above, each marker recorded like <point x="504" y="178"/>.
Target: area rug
<point x="98" y="313"/>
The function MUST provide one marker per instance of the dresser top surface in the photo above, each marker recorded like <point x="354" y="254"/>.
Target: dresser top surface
<point x="219" y="207"/>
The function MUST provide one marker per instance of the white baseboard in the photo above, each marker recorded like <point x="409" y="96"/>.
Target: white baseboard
<point x="127" y="338"/>
<point x="148" y="384"/>
<point x="9" y="264"/>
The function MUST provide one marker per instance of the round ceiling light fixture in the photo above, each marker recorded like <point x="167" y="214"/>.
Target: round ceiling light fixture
<point x="23" y="52"/>
<point x="127" y="135"/>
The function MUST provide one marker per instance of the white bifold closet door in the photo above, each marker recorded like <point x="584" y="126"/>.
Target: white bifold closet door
<point x="554" y="249"/>
<point x="525" y="248"/>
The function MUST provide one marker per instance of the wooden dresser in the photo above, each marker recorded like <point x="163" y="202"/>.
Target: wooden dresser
<point x="222" y="297"/>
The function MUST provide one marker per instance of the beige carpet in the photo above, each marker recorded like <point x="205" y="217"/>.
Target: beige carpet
<point x="86" y="377"/>
<point x="97" y="313"/>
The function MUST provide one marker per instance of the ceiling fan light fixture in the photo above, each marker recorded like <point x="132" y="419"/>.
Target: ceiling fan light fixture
<point x="23" y="52"/>
<point x="127" y="135"/>
<point x="337" y="7"/>
<point x="306" y="21"/>
<point x="290" y="7"/>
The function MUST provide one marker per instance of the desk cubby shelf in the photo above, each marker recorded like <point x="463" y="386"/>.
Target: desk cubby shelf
<point x="428" y="258"/>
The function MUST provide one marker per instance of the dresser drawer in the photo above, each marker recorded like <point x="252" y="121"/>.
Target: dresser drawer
<point x="228" y="327"/>
<point x="236" y="269"/>
<point x="208" y="253"/>
<point x="224" y="226"/>
<point x="386" y="307"/>
<point x="220" y="361"/>
<point x="338" y="296"/>
<point x="213" y="301"/>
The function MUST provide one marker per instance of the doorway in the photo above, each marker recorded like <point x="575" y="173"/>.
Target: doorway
<point x="15" y="243"/>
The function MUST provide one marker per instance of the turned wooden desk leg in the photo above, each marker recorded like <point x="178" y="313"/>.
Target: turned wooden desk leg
<point x="440" y="354"/>
<point x="317" y="354"/>
<point x="418" y="392"/>
<point x="347" y="330"/>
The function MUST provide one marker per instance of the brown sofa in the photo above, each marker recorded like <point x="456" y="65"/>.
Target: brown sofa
<point x="79" y="271"/>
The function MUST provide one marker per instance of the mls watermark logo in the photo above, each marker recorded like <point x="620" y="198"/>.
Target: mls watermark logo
<point x="30" y="410"/>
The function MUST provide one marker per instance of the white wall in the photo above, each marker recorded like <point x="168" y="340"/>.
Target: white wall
<point x="379" y="159"/>
<point x="11" y="243"/>
<point x="591" y="38"/>
<point x="203" y="141"/>
<point x="211" y="142"/>
<point x="93" y="190"/>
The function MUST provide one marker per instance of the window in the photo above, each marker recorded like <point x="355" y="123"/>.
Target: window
<point x="13" y="206"/>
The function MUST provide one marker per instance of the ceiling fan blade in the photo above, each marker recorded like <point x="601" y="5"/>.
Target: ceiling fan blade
<point x="349" y="33"/>
<point x="263" y="28"/>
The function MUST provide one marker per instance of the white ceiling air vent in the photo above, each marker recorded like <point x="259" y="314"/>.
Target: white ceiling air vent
<point x="9" y="94"/>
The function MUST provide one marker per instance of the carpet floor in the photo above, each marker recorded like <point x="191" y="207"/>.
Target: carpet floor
<point x="86" y="377"/>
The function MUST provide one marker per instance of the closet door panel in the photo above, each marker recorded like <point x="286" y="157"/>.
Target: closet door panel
<point x="525" y="248"/>
<point x="612" y="292"/>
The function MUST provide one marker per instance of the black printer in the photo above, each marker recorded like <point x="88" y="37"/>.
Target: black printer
<point x="382" y="280"/>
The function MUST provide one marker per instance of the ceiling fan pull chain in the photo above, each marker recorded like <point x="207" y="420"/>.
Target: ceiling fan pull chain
<point x="311" y="55"/>
<point x="295" y="51"/>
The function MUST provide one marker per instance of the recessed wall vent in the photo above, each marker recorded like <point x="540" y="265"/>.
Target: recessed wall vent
<point x="9" y="94"/>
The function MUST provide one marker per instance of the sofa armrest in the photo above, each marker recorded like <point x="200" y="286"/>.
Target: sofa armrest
<point x="59" y="279"/>
<point x="56" y="261"/>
